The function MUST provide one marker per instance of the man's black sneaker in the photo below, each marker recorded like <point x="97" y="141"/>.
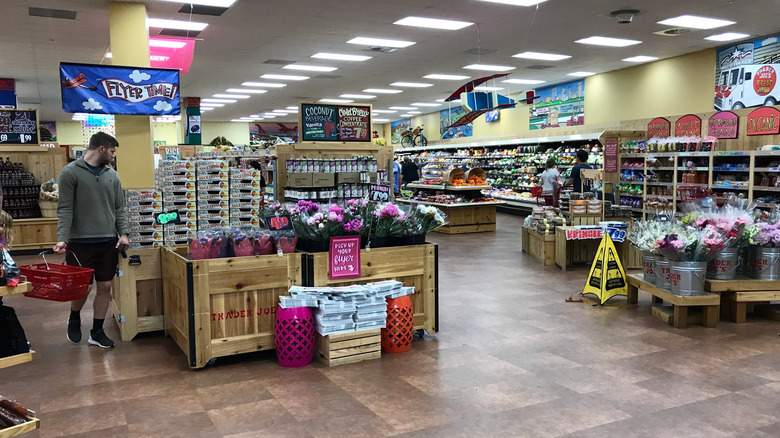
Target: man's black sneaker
<point x="74" y="331"/>
<point x="100" y="339"/>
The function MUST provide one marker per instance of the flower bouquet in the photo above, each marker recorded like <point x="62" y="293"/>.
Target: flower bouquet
<point x="690" y="245"/>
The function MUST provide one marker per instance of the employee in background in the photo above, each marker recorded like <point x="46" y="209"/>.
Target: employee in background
<point x="410" y="171"/>
<point x="396" y="178"/>
<point x="464" y="165"/>
<point x="92" y="226"/>
<point x="575" y="180"/>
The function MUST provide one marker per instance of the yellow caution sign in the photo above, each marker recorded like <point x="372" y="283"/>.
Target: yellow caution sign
<point x="607" y="277"/>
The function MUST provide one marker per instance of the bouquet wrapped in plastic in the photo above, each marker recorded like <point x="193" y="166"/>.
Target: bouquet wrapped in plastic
<point x="691" y="245"/>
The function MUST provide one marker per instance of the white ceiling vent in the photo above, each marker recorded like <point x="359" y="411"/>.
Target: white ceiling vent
<point x="672" y="32"/>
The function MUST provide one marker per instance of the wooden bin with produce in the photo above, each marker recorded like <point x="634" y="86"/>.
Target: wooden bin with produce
<point x="222" y="307"/>
<point x="137" y="297"/>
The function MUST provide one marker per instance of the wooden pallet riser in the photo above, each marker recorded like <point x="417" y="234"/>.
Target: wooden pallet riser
<point x="351" y="347"/>
<point x="137" y="295"/>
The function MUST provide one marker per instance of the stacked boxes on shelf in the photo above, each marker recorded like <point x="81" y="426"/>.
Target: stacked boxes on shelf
<point x="324" y="179"/>
<point x="177" y="182"/>
<point x="213" y="194"/>
<point x="141" y="209"/>
<point x="246" y="195"/>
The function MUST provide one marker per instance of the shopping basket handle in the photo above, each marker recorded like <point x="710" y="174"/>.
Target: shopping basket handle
<point x="42" y="255"/>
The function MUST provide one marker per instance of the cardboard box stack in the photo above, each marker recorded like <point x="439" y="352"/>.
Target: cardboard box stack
<point x="141" y="208"/>
<point x="213" y="194"/>
<point x="176" y="181"/>
<point x="245" y="197"/>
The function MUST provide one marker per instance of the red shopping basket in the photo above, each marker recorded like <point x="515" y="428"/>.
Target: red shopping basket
<point x="55" y="282"/>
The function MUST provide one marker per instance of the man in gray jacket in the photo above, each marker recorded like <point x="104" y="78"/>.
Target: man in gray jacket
<point x="93" y="225"/>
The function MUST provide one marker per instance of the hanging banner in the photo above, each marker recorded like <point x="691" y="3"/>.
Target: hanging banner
<point x="724" y="124"/>
<point x="746" y="74"/>
<point x="763" y="121"/>
<point x="659" y="127"/>
<point x="119" y="90"/>
<point x="7" y="93"/>
<point x="688" y="126"/>
<point x="607" y="277"/>
<point x="611" y="154"/>
<point x="344" y="257"/>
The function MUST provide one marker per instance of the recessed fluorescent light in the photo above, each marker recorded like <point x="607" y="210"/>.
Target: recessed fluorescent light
<point x="340" y="56"/>
<point x="446" y="77"/>
<point x="581" y="74"/>
<point x="284" y="77"/>
<point x="109" y="55"/>
<point x="406" y="115"/>
<point x="516" y="2"/>
<point x="728" y="36"/>
<point x="303" y="67"/>
<point x="640" y="58"/>
<point x="524" y="81"/>
<point x="274" y="114"/>
<point x="286" y="111"/>
<point x="488" y="67"/>
<point x="358" y="96"/>
<point x="403" y="108"/>
<point x="219" y="100"/>
<point x="263" y="84"/>
<point x="176" y="24"/>
<point x="292" y="108"/>
<point x="452" y="101"/>
<point x="485" y="88"/>
<point x="541" y="56"/>
<point x="433" y="23"/>
<point x="696" y="22"/>
<point x="170" y="44"/>
<point x="382" y="91"/>
<point x="425" y="104"/>
<point x="214" y="3"/>
<point x="237" y="96"/>
<point x="212" y="104"/>
<point x="607" y="41"/>
<point x="271" y="116"/>
<point x="383" y="112"/>
<point x="382" y="42"/>
<point x="411" y="84"/>
<point x="205" y="108"/>
<point x="239" y="120"/>
<point x="245" y="90"/>
<point x="380" y="120"/>
<point x="414" y="112"/>
<point x="329" y="100"/>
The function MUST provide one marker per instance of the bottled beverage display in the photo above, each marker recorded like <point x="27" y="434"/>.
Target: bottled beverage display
<point x="20" y="192"/>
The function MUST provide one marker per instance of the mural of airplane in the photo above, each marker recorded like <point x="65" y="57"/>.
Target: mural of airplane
<point x="480" y="102"/>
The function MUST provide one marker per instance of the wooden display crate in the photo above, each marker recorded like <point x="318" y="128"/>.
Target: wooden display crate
<point x="37" y="233"/>
<point x="21" y="429"/>
<point x="137" y="297"/>
<point x="709" y="302"/>
<point x="227" y="306"/>
<point x="468" y="219"/>
<point x="415" y="265"/>
<point x="739" y="294"/>
<point x="350" y="347"/>
<point x="524" y="239"/>
<point x="541" y="247"/>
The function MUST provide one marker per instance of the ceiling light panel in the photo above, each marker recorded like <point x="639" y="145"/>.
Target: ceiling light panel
<point x="406" y="115"/>
<point x="415" y="112"/>
<point x="433" y="23"/>
<point x="380" y="120"/>
<point x="263" y="84"/>
<point x="486" y="88"/>
<point x="384" y="112"/>
<point x="542" y="56"/>
<point x="284" y="77"/>
<point x="446" y="77"/>
<point x="340" y="56"/>
<point x="358" y="96"/>
<point x="219" y="105"/>
<point x="381" y="42"/>
<point x="176" y="24"/>
<point x="581" y="74"/>
<point x="403" y="108"/>
<point x="516" y="2"/>
<point x="640" y="58"/>
<point x="236" y="96"/>
<point x="411" y="84"/>
<point x="292" y="108"/>
<point x="523" y="81"/>
<point x="382" y="91"/>
<point x="488" y="67"/>
<point x="696" y="22"/>
<point x="607" y="41"/>
<point x="330" y="100"/>
<point x="728" y="36"/>
<point x="303" y="67"/>
<point x="219" y="100"/>
<point x="425" y="104"/>
<point x="168" y="44"/>
<point x="245" y="90"/>
<point x="213" y="3"/>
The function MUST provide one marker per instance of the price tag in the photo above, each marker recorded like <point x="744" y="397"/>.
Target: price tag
<point x="282" y="222"/>
<point x="167" y="217"/>
<point x="379" y="193"/>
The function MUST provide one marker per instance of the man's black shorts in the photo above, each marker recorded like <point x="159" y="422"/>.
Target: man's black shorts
<point x="102" y="257"/>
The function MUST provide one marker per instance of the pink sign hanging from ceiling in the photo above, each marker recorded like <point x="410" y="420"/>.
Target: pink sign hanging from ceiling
<point x="175" y="53"/>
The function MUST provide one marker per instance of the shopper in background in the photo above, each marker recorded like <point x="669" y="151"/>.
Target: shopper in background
<point x="396" y="178"/>
<point x="410" y="171"/>
<point x="92" y="226"/>
<point x="575" y="179"/>
<point x="464" y="165"/>
<point x="549" y="179"/>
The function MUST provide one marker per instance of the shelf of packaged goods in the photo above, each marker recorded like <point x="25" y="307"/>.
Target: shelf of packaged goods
<point x="766" y="189"/>
<point x="637" y="210"/>
<point x="640" y="168"/>
<point x="693" y="154"/>
<point x="633" y="155"/>
<point x="22" y="287"/>
<point x="774" y="152"/>
<point x="682" y="184"/>
<point x="447" y="187"/>
<point x="662" y="184"/>
<point x="732" y="153"/>
<point x="20" y="429"/>
<point x="727" y="169"/>
<point x="662" y="154"/>
<point x="649" y="197"/>
<point x="16" y="359"/>
<point x="726" y="187"/>
<point x="694" y="169"/>
<point x="660" y="168"/>
<point x="626" y="195"/>
<point x="438" y="204"/>
<point x="766" y="169"/>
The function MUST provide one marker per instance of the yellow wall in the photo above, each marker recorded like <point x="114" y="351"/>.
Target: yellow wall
<point x="681" y="85"/>
<point x="236" y="132"/>
<point x="510" y="120"/>
<point x="69" y="133"/>
<point x="170" y="133"/>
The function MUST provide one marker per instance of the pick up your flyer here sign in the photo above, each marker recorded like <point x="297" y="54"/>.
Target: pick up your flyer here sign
<point x="119" y="90"/>
<point x="344" y="257"/>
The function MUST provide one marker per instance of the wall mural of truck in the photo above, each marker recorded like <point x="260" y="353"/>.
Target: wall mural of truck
<point x="747" y="73"/>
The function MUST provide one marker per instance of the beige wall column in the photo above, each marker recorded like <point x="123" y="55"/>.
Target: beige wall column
<point x="130" y="47"/>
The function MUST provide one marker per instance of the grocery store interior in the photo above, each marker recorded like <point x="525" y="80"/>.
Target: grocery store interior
<point x="489" y="298"/>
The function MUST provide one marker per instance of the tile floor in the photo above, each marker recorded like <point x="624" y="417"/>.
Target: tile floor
<point x="512" y="359"/>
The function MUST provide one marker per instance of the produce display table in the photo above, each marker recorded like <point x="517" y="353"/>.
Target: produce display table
<point x="471" y="217"/>
<point x="710" y="302"/>
<point x="736" y="294"/>
<point x="539" y="246"/>
<point x="137" y="293"/>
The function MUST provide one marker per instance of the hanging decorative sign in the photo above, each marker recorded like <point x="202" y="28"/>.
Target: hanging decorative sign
<point x="724" y="124"/>
<point x="7" y="93"/>
<point x="335" y="122"/>
<point x="98" y="89"/>
<point x="659" y="127"/>
<point x="611" y="154"/>
<point x="344" y="257"/>
<point x="763" y="121"/>
<point x="688" y="126"/>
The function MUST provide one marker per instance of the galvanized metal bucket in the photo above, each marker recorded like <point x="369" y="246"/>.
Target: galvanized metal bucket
<point x="744" y="262"/>
<point x="724" y="265"/>
<point x="687" y="278"/>
<point x="661" y="269"/>
<point x="765" y="263"/>
<point x="647" y="263"/>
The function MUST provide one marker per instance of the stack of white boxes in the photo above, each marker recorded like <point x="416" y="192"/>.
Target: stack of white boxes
<point x="213" y="199"/>
<point x="245" y="197"/>
<point x="176" y="180"/>
<point x="141" y="208"/>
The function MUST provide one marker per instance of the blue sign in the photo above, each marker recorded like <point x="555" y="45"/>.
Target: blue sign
<point x="98" y="89"/>
<point x="7" y="93"/>
<point x="616" y="234"/>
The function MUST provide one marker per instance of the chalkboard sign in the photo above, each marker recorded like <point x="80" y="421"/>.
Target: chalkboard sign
<point x="379" y="193"/>
<point x="320" y="122"/>
<point x="18" y="126"/>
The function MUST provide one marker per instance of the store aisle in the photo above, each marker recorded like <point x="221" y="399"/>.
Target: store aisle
<point x="512" y="359"/>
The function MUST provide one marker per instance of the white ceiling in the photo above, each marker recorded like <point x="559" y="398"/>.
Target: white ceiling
<point x="235" y="45"/>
